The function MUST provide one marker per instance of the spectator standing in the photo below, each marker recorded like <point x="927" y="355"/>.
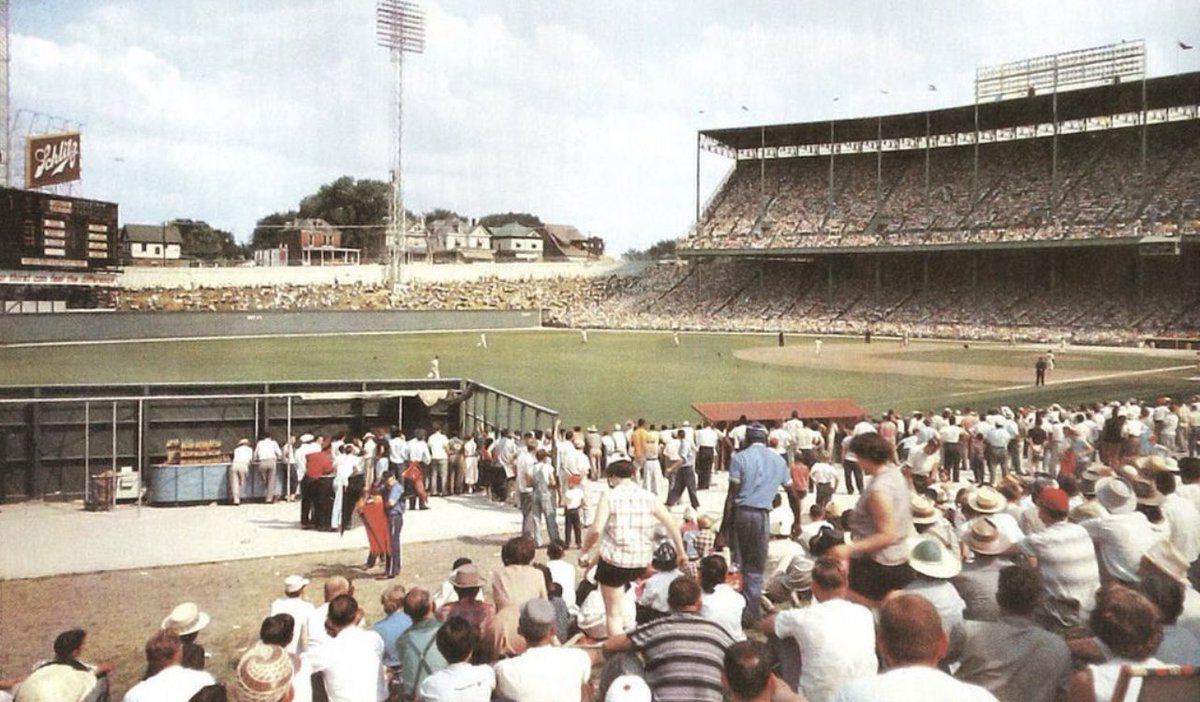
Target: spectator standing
<point x="393" y="507"/>
<point x="239" y="469"/>
<point x="707" y="442"/>
<point x="439" y="465"/>
<point x="624" y="529"/>
<point x="755" y="475"/>
<point x="880" y="521"/>
<point x="267" y="455"/>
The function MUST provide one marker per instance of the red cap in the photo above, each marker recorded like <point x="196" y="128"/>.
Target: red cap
<point x="1054" y="499"/>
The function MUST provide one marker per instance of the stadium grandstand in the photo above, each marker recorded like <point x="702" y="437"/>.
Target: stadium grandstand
<point x="1048" y="209"/>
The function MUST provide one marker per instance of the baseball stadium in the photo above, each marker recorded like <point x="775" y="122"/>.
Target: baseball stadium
<point x="1030" y="260"/>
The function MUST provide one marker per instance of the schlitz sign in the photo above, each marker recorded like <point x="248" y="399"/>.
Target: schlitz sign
<point x="51" y="159"/>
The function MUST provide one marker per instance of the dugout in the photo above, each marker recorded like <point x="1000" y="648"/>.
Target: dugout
<point x="53" y="437"/>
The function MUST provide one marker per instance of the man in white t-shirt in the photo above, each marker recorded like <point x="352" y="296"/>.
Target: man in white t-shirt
<point x="239" y="469"/>
<point x="544" y="672"/>
<point x="266" y="457"/>
<point x="294" y="604"/>
<point x="350" y="663"/>
<point x="439" y="461"/>
<point x="835" y="637"/>
<point x="824" y="479"/>
<point x="911" y="642"/>
<point x="172" y="682"/>
<point x="314" y="627"/>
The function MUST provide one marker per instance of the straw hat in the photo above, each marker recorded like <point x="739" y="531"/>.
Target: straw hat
<point x="984" y="538"/>
<point x="186" y="619"/>
<point x="466" y="575"/>
<point x="307" y="438"/>
<point x="294" y="583"/>
<point x="987" y="500"/>
<point x="1147" y="493"/>
<point x="1115" y="495"/>
<point x="930" y="557"/>
<point x="1169" y="560"/>
<point x="923" y="510"/>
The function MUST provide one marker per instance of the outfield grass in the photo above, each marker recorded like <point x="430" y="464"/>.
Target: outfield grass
<point x="613" y="377"/>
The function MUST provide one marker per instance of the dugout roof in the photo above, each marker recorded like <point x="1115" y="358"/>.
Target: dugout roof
<point x="1164" y="92"/>
<point x="837" y="409"/>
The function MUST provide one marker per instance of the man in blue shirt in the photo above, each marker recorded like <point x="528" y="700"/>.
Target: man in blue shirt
<point x="393" y="625"/>
<point x="755" y="475"/>
<point x="393" y="505"/>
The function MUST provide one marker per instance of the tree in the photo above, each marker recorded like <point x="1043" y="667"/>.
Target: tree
<point x="360" y="206"/>
<point x="499" y="220"/>
<point x="268" y="233"/>
<point x="203" y="242"/>
<point x="441" y="213"/>
<point x="657" y="252"/>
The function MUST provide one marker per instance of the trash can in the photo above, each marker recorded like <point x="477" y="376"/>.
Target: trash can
<point x="100" y="497"/>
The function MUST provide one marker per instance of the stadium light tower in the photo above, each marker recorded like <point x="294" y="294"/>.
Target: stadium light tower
<point x="400" y="28"/>
<point x="5" y="43"/>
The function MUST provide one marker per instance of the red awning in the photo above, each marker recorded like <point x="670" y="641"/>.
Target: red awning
<point x="776" y="410"/>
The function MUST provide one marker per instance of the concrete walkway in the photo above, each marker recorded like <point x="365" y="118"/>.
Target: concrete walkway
<point x="56" y="538"/>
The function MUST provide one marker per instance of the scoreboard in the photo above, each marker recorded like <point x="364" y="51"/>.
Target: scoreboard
<point x="43" y="231"/>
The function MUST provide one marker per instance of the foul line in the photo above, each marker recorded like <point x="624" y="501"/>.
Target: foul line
<point x="1088" y="379"/>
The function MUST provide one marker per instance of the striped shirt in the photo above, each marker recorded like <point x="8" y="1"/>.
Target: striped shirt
<point x="684" y="654"/>
<point x="628" y="540"/>
<point x="1066" y="560"/>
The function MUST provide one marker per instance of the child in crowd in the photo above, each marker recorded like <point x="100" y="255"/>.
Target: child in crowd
<point x="652" y="604"/>
<point x="572" y="503"/>
<point x="563" y="574"/>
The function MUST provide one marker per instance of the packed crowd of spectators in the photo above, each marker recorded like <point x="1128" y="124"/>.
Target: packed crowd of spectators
<point x="748" y="296"/>
<point x="1098" y="191"/>
<point x="1004" y="554"/>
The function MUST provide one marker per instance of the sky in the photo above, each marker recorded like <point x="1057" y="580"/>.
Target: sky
<point x="583" y="113"/>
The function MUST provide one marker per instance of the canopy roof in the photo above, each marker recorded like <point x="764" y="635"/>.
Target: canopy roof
<point x="1168" y="91"/>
